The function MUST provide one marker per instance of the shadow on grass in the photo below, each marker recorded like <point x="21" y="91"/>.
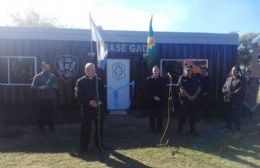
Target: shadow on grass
<point x="218" y="141"/>
<point x="111" y="158"/>
<point x="126" y="132"/>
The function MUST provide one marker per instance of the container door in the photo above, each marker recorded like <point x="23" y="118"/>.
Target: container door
<point x="118" y="77"/>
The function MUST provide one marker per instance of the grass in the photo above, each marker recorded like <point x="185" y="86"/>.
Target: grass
<point x="132" y="145"/>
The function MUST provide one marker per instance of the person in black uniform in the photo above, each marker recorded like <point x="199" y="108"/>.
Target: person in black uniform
<point x="154" y="102"/>
<point x="45" y="85"/>
<point x="189" y="86"/>
<point x="89" y="91"/>
<point x="233" y="91"/>
<point x="205" y="87"/>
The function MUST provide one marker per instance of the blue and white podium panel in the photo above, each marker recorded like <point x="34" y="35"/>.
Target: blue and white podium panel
<point x="118" y="77"/>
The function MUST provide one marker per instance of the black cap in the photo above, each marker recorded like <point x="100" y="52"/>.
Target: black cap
<point x="44" y="63"/>
<point x="188" y="67"/>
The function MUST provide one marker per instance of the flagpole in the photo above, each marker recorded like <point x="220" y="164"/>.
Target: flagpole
<point x="97" y="85"/>
<point x="91" y="41"/>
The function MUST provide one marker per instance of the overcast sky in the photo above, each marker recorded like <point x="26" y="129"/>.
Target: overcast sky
<point x="214" y="16"/>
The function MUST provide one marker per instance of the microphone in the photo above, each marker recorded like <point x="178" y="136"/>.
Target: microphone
<point x="168" y="73"/>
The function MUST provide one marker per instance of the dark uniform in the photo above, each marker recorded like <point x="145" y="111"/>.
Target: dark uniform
<point x="45" y="99"/>
<point x="155" y="87"/>
<point x="86" y="89"/>
<point x="188" y="109"/>
<point x="204" y="101"/>
<point x="233" y="91"/>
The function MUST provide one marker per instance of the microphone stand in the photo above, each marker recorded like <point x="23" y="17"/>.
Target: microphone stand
<point x="103" y="153"/>
<point x="98" y="107"/>
<point x="170" y="108"/>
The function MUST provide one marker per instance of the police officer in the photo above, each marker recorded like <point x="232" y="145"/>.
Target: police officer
<point x="44" y="85"/>
<point x="89" y="91"/>
<point x="189" y="87"/>
<point x="233" y="91"/>
<point x="154" y="93"/>
<point x="205" y="87"/>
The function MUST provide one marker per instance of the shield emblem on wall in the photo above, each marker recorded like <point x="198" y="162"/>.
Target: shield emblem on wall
<point x="66" y="66"/>
<point x="118" y="70"/>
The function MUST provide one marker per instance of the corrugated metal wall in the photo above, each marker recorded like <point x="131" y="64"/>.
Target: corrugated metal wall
<point x="220" y="60"/>
<point x="17" y="101"/>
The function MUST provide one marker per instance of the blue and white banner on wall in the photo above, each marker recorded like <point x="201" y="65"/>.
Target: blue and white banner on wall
<point x="118" y="85"/>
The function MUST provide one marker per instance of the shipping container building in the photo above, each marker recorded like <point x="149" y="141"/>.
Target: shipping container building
<point x="68" y="50"/>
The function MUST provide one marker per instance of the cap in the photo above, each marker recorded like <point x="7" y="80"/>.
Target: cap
<point x="188" y="67"/>
<point x="44" y="63"/>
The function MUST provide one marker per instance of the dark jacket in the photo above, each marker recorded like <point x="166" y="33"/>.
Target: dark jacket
<point x="205" y="84"/>
<point x="154" y="87"/>
<point x="86" y="89"/>
<point x="234" y="86"/>
<point x="44" y="79"/>
<point x="190" y="85"/>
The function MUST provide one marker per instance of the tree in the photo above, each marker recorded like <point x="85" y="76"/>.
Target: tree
<point x="245" y="50"/>
<point x="33" y="19"/>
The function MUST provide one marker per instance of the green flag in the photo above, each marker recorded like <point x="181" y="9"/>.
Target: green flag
<point x="151" y="50"/>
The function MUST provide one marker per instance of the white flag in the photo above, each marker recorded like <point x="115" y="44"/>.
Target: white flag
<point x="101" y="49"/>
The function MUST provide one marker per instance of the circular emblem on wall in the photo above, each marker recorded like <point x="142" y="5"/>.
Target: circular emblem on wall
<point x="118" y="70"/>
<point x="66" y="66"/>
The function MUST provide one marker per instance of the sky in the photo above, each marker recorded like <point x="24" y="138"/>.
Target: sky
<point x="211" y="16"/>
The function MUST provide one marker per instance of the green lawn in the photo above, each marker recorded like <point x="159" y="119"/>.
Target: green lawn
<point x="132" y="145"/>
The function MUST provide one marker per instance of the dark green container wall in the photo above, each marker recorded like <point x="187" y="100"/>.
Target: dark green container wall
<point x="220" y="60"/>
<point x="17" y="102"/>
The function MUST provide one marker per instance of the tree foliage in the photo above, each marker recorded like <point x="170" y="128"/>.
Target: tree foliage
<point x="33" y="19"/>
<point x="245" y="49"/>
